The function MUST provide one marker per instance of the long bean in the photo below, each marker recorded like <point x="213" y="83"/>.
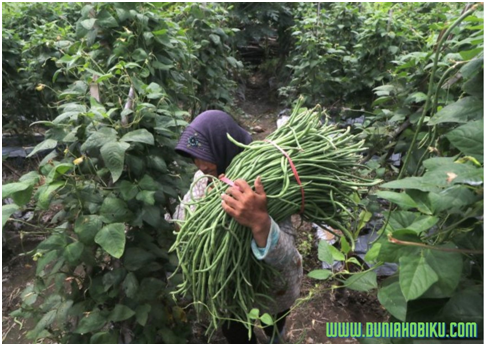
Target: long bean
<point x="214" y="250"/>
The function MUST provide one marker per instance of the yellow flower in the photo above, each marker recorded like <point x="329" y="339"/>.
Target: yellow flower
<point x="78" y="160"/>
<point x="40" y="87"/>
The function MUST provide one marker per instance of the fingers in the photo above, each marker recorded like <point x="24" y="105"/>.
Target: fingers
<point x="229" y="201"/>
<point x="243" y="185"/>
<point x="235" y="192"/>
<point x="259" y="186"/>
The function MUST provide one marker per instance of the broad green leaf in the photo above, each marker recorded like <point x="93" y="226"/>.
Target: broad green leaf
<point x="151" y="215"/>
<point x="88" y="23"/>
<point x="146" y="197"/>
<point x="112" y="239"/>
<point x="421" y="200"/>
<point x="465" y="305"/>
<point x="140" y="136"/>
<point x="453" y="197"/>
<point x="46" y="194"/>
<point x="391" y="297"/>
<point x="113" y="278"/>
<point x="373" y="253"/>
<point x="362" y="282"/>
<point x="215" y="38"/>
<point x="475" y="86"/>
<point x="130" y="285"/>
<point x="44" y="322"/>
<point x="136" y="258"/>
<point x="411" y="221"/>
<point x="472" y="67"/>
<point x="401" y="199"/>
<point x="9" y="189"/>
<point x="157" y="162"/>
<point x="148" y="183"/>
<point x="150" y="289"/>
<point x="254" y="313"/>
<point x="45" y="260"/>
<point x="364" y="217"/>
<point x="62" y="311"/>
<point x="468" y="139"/>
<point x="142" y="313"/>
<point x="462" y="111"/>
<point x="106" y="20"/>
<point x="345" y="248"/>
<point x="73" y="251"/>
<point x="448" y="267"/>
<point x="99" y="138"/>
<point x="128" y="190"/>
<point x="7" y="211"/>
<point x="120" y="313"/>
<point x="114" y="210"/>
<point x="320" y="274"/>
<point x="104" y="338"/>
<point x="45" y="145"/>
<point x="390" y="252"/>
<point x="336" y="254"/>
<point x="267" y="319"/>
<point x="417" y="183"/>
<point x="113" y="155"/>
<point x="324" y="252"/>
<point x="90" y="323"/>
<point x="416" y="276"/>
<point x="86" y="227"/>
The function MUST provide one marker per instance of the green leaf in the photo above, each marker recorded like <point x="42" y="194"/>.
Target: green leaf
<point x="140" y="136"/>
<point x="468" y="139"/>
<point x="320" y="274"/>
<point x="136" y="258"/>
<point x="86" y="227"/>
<point x="150" y="289"/>
<point x="104" y="338"/>
<point x="128" y="190"/>
<point x="44" y="322"/>
<point x="215" y="38"/>
<point x="472" y="67"/>
<point x="73" y="251"/>
<point x="324" y="252"/>
<point x="62" y="311"/>
<point x="411" y="221"/>
<point x="99" y="138"/>
<point x="267" y="319"/>
<point x="106" y="20"/>
<point x="157" y="162"/>
<point x="362" y="282"/>
<point x="142" y="313"/>
<point x="453" y="197"/>
<point x="466" y="109"/>
<point x="45" y="145"/>
<point x="7" y="211"/>
<point x="113" y="155"/>
<point x="422" y="201"/>
<point x="417" y="183"/>
<point x="45" y="260"/>
<point x="46" y="194"/>
<point x="402" y="200"/>
<point x="336" y="254"/>
<point x="151" y="215"/>
<point x="254" y="313"/>
<point x="130" y="285"/>
<point x="120" y="313"/>
<point x="147" y="183"/>
<point x="345" y="248"/>
<point x="94" y="321"/>
<point x="465" y="305"/>
<point x="391" y="297"/>
<point x="448" y="267"/>
<point x="88" y="23"/>
<point x="114" y="210"/>
<point x="373" y="253"/>
<point x="417" y="97"/>
<point x="416" y="276"/>
<point x="112" y="239"/>
<point x="10" y="189"/>
<point x="146" y="197"/>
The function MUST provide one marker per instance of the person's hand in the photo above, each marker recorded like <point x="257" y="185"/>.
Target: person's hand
<point x="249" y="208"/>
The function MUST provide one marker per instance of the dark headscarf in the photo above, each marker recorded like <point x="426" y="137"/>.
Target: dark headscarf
<point x="205" y="138"/>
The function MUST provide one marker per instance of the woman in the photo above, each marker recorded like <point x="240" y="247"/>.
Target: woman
<point x="205" y="141"/>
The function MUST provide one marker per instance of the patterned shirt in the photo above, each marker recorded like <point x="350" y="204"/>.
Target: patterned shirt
<point x="280" y="251"/>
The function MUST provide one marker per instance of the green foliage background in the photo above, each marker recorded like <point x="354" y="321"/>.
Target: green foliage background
<point x="414" y="71"/>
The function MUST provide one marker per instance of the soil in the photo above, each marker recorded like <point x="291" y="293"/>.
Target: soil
<point x="307" y="320"/>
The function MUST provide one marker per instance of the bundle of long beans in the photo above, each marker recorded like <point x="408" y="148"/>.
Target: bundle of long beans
<point x="214" y="251"/>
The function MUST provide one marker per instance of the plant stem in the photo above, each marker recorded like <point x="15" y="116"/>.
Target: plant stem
<point x="409" y="243"/>
<point x="431" y="83"/>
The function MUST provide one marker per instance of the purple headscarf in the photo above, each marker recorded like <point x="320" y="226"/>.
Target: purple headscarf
<point x="205" y="138"/>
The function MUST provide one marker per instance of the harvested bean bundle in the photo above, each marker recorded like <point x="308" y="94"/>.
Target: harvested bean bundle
<point x="305" y="167"/>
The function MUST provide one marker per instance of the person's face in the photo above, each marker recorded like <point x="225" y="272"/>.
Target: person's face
<point x="206" y="167"/>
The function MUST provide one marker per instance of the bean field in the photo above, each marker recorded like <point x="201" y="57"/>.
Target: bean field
<point x="96" y="95"/>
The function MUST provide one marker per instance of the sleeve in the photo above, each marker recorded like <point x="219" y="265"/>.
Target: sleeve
<point x="280" y="250"/>
<point x="195" y="192"/>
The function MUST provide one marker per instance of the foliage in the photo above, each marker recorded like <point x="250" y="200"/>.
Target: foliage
<point x="433" y="229"/>
<point x="101" y="272"/>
